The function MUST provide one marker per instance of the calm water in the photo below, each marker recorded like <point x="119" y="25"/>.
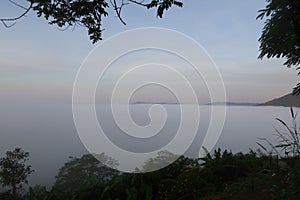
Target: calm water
<point x="48" y="132"/>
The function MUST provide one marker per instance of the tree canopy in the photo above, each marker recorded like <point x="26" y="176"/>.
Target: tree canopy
<point x="86" y="172"/>
<point x="281" y="33"/>
<point x="13" y="170"/>
<point x="86" y="13"/>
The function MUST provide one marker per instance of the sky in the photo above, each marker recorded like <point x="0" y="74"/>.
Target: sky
<point x="39" y="62"/>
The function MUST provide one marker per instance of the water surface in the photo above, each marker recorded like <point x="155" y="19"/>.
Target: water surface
<point x="49" y="134"/>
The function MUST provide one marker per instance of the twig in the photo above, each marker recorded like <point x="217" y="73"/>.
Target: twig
<point x="11" y="1"/>
<point x="4" y="20"/>
<point x="118" y="10"/>
<point x="139" y="3"/>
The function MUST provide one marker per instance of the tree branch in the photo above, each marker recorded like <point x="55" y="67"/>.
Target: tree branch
<point x="118" y="10"/>
<point x="16" y="4"/>
<point x="5" y="20"/>
<point x="138" y="2"/>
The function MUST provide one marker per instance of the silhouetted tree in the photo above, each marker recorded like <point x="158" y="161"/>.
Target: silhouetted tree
<point x="14" y="171"/>
<point x="37" y="193"/>
<point x="281" y="33"/>
<point x="86" y="13"/>
<point x="163" y="159"/>
<point x="83" y="178"/>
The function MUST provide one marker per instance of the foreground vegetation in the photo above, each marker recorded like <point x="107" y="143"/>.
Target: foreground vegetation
<point x="222" y="175"/>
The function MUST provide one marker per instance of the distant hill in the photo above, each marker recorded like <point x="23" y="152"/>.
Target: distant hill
<point x="150" y="102"/>
<point x="287" y="100"/>
<point x="232" y="104"/>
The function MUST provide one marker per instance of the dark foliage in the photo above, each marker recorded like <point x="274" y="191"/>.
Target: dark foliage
<point x="281" y="34"/>
<point x="86" y="13"/>
<point x="14" y="171"/>
<point x="83" y="178"/>
<point x="221" y="175"/>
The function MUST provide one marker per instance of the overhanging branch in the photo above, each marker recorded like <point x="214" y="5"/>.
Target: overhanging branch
<point x="5" y="20"/>
<point x="118" y="9"/>
<point x="141" y="3"/>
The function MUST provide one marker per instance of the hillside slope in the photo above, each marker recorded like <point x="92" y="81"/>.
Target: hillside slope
<point x="286" y="100"/>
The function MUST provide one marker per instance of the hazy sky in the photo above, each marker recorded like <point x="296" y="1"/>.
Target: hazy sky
<point x="38" y="62"/>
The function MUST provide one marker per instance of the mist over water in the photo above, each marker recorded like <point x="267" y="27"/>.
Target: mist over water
<point x="48" y="132"/>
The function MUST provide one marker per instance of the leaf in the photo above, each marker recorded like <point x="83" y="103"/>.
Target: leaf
<point x="264" y="148"/>
<point x="292" y="112"/>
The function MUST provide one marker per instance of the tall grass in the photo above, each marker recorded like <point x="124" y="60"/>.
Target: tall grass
<point x="288" y="141"/>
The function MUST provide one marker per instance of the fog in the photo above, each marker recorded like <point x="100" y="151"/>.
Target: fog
<point x="49" y="134"/>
